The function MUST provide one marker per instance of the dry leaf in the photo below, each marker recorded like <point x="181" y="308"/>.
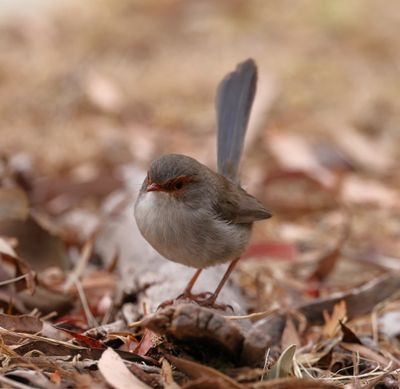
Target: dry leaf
<point x="366" y="153"/>
<point x="21" y="323"/>
<point x="290" y="334"/>
<point x="348" y="335"/>
<point x="115" y="372"/>
<point x="327" y="263"/>
<point x="46" y="300"/>
<point x="358" y="190"/>
<point x="37" y="246"/>
<point x="297" y="192"/>
<point x="294" y="154"/>
<point x="332" y="322"/>
<point x="284" y="365"/>
<point x="6" y="248"/>
<point x="103" y="93"/>
<point x="146" y="343"/>
<point x="359" y="300"/>
<point x="13" y="204"/>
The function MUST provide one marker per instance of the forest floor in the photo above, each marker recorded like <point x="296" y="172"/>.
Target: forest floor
<point x="91" y="93"/>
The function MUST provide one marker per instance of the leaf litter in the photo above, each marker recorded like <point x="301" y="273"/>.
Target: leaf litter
<point x="315" y="298"/>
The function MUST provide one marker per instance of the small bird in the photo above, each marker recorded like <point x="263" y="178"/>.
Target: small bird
<point x="193" y="215"/>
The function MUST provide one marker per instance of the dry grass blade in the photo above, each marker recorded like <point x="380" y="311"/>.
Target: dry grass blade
<point x="4" y="331"/>
<point x="81" y="264"/>
<point x="92" y="322"/>
<point x="13" y="280"/>
<point x="367" y="353"/>
<point x="251" y="316"/>
<point x="293" y="383"/>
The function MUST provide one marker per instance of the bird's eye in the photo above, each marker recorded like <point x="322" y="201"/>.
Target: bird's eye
<point x="178" y="184"/>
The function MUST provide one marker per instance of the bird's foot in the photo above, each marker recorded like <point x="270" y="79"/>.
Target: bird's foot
<point x="186" y="295"/>
<point x="204" y="299"/>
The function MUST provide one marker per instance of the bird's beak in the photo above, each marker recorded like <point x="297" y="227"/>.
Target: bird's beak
<point x="153" y="187"/>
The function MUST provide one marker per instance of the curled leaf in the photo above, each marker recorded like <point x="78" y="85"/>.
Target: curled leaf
<point x="283" y="366"/>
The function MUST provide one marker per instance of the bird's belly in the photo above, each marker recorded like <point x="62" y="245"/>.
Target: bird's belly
<point x="193" y="237"/>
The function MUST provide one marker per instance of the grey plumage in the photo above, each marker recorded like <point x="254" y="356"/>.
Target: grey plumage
<point x="235" y="97"/>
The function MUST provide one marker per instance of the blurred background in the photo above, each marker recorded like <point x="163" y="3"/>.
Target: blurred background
<point x="89" y="87"/>
<point x="79" y="80"/>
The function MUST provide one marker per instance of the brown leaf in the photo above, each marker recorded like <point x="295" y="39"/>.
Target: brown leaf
<point x="293" y="153"/>
<point x="359" y="301"/>
<point x="348" y="335"/>
<point x="21" y="323"/>
<point x="22" y="269"/>
<point x="332" y="322"/>
<point x="38" y="247"/>
<point x="295" y="192"/>
<point x="52" y="347"/>
<point x="196" y="370"/>
<point x="358" y="190"/>
<point x="115" y="372"/>
<point x="146" y="343"/>
<point x="13" y="204"/>
<point x="6" y="248"/>
<point x="290" y="335"/>
<point x="367" y="153"/>
<point x="327" y="263"/>
<point x="46" y="301"/>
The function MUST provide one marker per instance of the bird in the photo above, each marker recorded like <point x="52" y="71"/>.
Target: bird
<point x="193" y="215"/>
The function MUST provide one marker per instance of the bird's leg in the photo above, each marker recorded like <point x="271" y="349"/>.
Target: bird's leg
<point x="221" y="284"/>
<point x="205" y="299"/>
<point x="188" y="290"/>
<point x="187" y="293"/>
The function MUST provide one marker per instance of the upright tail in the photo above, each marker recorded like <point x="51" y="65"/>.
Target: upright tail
<point x="235" y="97"/>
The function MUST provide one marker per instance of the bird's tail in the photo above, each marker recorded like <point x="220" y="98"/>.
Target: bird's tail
<point x="235" y="97"/>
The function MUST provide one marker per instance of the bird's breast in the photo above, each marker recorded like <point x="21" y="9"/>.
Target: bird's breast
<point x="193" y="237"/>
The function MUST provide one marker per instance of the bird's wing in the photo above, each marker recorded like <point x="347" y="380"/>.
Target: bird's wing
<point x="235" y="97"/>
<point x="240" y="207"/>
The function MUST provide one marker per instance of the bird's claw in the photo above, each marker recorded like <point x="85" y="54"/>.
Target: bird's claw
<point x="204" y="299"/>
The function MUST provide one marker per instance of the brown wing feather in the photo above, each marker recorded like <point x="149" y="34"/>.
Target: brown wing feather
<point x="239" y="206"/>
